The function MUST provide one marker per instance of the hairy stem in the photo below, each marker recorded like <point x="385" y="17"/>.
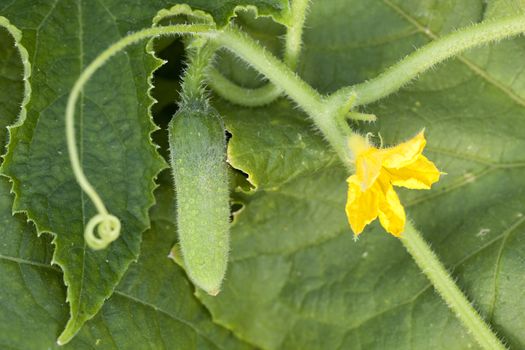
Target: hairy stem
<point x="192" y="85"/>
<point x="429" y="263"/>
<point x="267" y="93"/>
<point x="433" y="53"/>
<point x="241" y="96"/>
<point x="274" y="69"/>
<point x="279" y="74"/>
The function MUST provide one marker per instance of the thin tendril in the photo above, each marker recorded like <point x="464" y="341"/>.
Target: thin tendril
<point x="431" y="54"/>
<point x="104" y="228"/>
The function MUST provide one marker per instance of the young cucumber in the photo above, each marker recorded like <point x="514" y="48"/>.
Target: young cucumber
<point x="198" y="161"/>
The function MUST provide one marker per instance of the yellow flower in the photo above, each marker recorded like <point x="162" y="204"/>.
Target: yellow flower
<point x="370" y="189"/>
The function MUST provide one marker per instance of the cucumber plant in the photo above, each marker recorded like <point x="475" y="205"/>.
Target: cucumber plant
<point x="295" y="265"/>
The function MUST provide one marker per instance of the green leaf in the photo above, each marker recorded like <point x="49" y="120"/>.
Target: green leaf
<point x="62" y="37"/>
<point x="32" y="293"/>
<point x="297" y="280"/>
<point x="287" y="135"/>
<point x="113" y="137"/>
<point x="152" y="308"/>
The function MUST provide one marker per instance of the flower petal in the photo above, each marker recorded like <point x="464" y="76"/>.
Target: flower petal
<point x="404" y="153"/>
<point x="368" y="167"/>
<point x="418" y="175"/>
<point x="391" y="213"/>
<point x="361" y="206"/>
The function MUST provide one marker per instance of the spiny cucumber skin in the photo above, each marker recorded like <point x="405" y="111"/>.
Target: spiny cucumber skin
<point x="198" y="161"/>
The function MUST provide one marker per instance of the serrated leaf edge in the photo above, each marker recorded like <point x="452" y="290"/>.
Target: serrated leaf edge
<point x="16" y="209"/>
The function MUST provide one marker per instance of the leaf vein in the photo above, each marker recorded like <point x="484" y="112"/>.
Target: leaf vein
<point x="497" y="268"/>
<point x="29" y="262"/>
<point x="167" y="314"/>
<point x="471" y="65"/>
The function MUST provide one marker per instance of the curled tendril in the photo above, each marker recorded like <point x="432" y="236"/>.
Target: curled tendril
<point x="108" y="229"/>
<point x="107" y="226"/>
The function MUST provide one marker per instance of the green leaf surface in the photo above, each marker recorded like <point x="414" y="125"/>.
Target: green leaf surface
<point x="113" y="138"/>
<point x="113" y="123"/>
<point x="297" y="278"/>
<point x="152" y="308"/>
<point x="278" y="133"/>
<point x="503" y="8"/>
